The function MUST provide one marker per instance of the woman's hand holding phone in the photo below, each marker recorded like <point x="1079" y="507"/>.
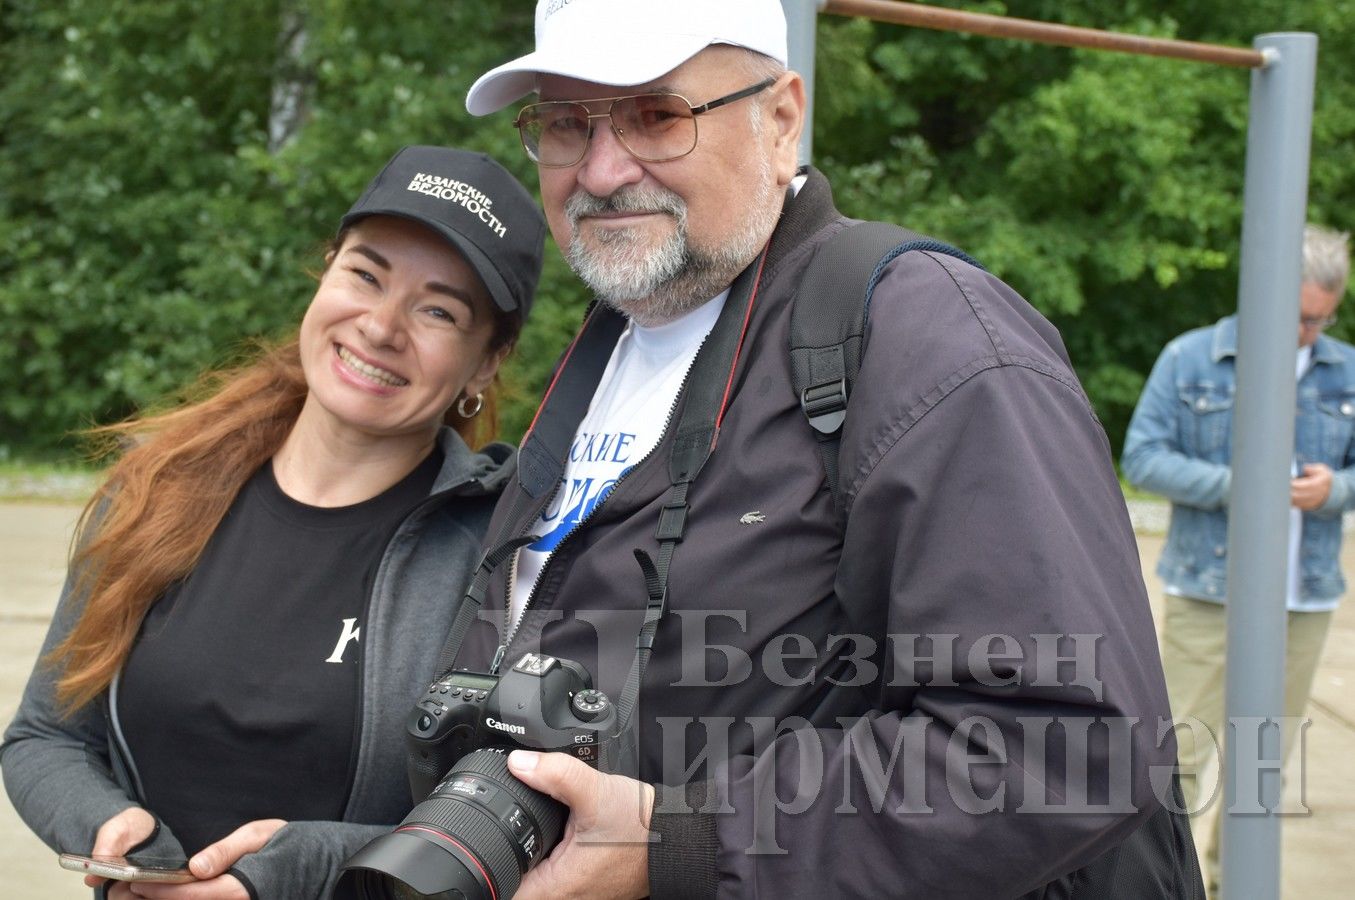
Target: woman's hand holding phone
<point x="248" y="838"/>
<point x="207" y="872"/>
<point x="120" y="834"/>
<point x="212" y="863"/>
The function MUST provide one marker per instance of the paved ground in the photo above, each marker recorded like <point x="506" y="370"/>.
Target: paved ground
<point x="33" y="542"/>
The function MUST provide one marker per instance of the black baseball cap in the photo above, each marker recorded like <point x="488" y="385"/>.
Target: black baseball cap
<point x="473" y="202"/>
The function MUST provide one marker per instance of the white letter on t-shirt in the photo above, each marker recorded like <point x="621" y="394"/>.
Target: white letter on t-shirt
<point x="349" y="634"/>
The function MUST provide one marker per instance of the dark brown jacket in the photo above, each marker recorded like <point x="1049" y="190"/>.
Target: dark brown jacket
<point x="981" y="500"/>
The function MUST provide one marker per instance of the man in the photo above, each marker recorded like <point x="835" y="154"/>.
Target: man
<point x="956" y="693"/>
<point x="1180" y="444"/>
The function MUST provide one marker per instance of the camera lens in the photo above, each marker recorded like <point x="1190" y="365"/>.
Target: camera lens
<point x="474" y="837"/>
<point x="384" y="887"/>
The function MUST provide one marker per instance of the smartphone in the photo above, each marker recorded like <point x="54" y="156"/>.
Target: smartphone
<point x="130" y="868"/>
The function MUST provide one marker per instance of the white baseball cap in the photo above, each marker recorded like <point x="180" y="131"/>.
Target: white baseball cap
<point x="626" y="42"/>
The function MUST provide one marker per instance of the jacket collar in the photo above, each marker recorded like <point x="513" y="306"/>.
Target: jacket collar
<point x="485" y="471"/>
<point x="808" y="211"/>
<point x="1325" y="350"/>
<point x="1225" y="339"/>
<point x="1225" y="343"/>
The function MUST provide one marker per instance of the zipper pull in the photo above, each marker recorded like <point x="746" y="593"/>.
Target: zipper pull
<point x="498" y="658"/>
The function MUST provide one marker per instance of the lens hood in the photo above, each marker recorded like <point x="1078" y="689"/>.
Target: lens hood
<point x="429" y="863"/>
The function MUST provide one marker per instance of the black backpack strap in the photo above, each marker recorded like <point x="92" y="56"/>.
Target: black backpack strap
<point x="828" y="321"/>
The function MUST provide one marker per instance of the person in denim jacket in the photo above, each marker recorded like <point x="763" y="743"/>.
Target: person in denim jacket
<point x="1179" y="445"/>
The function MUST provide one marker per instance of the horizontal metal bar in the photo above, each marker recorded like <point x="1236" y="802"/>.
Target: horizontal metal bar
<point x="923" y="16"/>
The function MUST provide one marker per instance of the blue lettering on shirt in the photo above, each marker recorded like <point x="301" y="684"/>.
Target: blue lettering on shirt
<point x="578" y="497"/>
<point x="602" y="447"/>
<point x="582" y="500"/>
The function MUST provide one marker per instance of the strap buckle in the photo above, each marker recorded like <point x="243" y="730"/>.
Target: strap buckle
<point x="825" y="405"/>
<point x="672" y="522"/>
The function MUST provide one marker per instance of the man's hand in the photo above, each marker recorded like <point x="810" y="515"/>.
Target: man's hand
<point x="605" y="849"/>
<point x="211" y="863"/>
<point x="1311" y="489"/>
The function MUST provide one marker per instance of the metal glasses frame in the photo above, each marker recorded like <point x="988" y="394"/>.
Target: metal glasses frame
<point x="620" y="132"/>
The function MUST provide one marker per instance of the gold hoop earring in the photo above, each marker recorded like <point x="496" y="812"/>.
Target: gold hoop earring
<point x="470" y="413"/>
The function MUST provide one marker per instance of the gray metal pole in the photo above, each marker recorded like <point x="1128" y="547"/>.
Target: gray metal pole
<point x="1278" y="140"/>
<point x="801" y="17"/>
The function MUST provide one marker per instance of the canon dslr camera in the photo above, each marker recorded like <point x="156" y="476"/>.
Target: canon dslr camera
<point x="480" y="829"/>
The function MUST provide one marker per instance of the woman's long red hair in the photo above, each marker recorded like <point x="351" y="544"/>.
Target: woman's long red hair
<point x="178" y="473"/>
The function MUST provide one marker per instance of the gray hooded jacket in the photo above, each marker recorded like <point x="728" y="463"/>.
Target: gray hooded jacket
<point x="67" y="776"/>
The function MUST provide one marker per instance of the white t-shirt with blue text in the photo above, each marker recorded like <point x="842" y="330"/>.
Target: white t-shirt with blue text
<point x="625" y="421"/>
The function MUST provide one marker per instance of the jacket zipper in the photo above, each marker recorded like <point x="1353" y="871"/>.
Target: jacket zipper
<point x="118" y="742"/>
<point x="511" y="627"/>
<point x="360" y="718"/>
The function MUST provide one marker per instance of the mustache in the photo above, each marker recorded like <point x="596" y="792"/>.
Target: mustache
<point x="628" y="199"/>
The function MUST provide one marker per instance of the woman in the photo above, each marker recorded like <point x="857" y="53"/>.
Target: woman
<point x="262" y="584"/>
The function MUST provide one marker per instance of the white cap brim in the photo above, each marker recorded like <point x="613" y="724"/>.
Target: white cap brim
<point x="629" y="60"/>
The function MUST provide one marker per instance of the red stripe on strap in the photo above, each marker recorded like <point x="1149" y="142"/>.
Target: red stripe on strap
<point x="559" y="370"/>
<point x="747" y="317"/>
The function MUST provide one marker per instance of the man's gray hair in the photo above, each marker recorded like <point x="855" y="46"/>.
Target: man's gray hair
<point x="1326" y="258"/>
<point x="757" y="67"/>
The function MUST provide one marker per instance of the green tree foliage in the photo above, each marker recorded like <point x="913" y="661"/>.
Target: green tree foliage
<point x="1107" y="188"/>
<point x="170" y="171"/>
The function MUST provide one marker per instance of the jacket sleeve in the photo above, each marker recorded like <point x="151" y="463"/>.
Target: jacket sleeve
<point x="1342" y="496"/>
<point x="1153" y="458"/>
<point x="1004" y="645"/>
<point x="302" y="860"/>
<point x="58" y="770"/>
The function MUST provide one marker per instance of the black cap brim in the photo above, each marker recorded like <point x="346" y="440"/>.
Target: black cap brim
<point x="493" y="281"/>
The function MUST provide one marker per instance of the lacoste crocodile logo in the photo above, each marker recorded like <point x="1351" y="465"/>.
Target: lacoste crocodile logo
<point x="752" y="518"/>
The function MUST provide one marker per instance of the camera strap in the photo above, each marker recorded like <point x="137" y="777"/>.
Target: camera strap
<point x="545" y="447"/>
<point x="541" y="458"/>
<point x="474" y="598"/>
<point x="698" y="430"/>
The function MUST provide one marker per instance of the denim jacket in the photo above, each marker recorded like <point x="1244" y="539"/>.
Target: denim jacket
<point x="1180" y="442"/>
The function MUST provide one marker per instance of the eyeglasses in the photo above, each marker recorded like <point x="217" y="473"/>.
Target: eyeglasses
<point x="1318" y="322"/>
<point x="654" y="127"/>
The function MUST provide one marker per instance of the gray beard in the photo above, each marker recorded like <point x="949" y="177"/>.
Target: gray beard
<point x="653" y="285"/>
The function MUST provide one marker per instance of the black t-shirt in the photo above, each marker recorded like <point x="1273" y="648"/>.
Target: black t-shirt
<point x="239" y="700"/>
